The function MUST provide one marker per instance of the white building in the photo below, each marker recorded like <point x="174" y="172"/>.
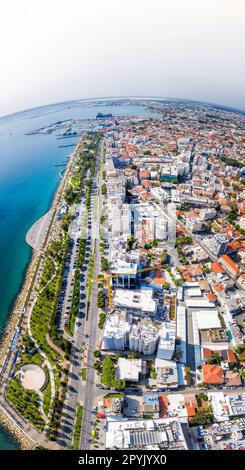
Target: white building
<point x="160" y="225"/>
<point x="203" y="320"/>
<point x="160" y="194"/>
<point x="139" y="302"/>
<point x="194" y="225"/>
<point x="143" y="338"/>
<point x="194" y="292"/>
<point x="166" y="344"/>
<point x="219" y="406"/>
<point x="167" y="374"/>
<point x="217" y="244"/>
<point x="120" y="218"/>
<point x="207" y="214"/>
<point x="125" y="268"/>
<point x="207" y="319"/>
<point x="199" y="303"/>
<point x="236" y="404"/>
<point x="115" y="332"/>
<point x="129" y="369"/>
<point x="162" y="433"/>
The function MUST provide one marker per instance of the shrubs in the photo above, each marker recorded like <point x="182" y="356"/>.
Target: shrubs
<point x="102" y="319"/>
<point x="152" y="372"/>
<point x="104" y="264"/>
<point x="40" y="319"/>
<point x="44" y="312"/>
<point x="97" y="353"/>
<point x="215" y="358"/>
<point x="90" y="278"/>
<point x="108" y="376"/>
<point x="101" y="299"/>
<point x="240" y="351"/>
<point x="185" y="240"/>
<point x="203" y="417"/>
<point x="188" y="375"/>
<point x="47" y="395"/>
<point x="84" y="374"/>
<point x="26" y="402"/>
<point x="163" y="257"/>
<point x="54" y="424"/>
<point x="96" y="365"/>
<point x="103" y="188"/>
<point x="203" y="396"/>
<point x="77" y="427"/>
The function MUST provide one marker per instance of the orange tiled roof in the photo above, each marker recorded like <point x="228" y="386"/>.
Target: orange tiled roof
<point x="219" y="288"/>
<point x="207" y="353"/>
<point x="234" y="245"/>
<point x="231" y="357"/>
<point x="107" y="403"/>
<point x="131" y="148"/>
<point x="147" y="183"/>
<point x="191" y="411"/>
<point x="163" y="405"/>
<point x="195" y="269"/>
<point x="217" y="268"/>
<point x="230" y="263"/>
<point x="159" y="281"/>
<point x="212" y="374"/>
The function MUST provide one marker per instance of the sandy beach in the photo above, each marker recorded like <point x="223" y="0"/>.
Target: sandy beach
<point x="36" y="233"/>
<point x="35" y="238"/>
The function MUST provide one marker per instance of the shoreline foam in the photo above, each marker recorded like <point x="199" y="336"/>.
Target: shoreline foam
<point x="18" y="303"/>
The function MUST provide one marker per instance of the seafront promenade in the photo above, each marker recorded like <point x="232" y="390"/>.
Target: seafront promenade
<point x="45" y="232"/>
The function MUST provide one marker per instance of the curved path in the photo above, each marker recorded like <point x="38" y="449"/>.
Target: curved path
<point x="46" y="361"/>
<point x="54" y="346"/>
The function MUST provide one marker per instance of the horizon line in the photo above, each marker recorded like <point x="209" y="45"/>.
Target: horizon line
<point x="129" y="97"/>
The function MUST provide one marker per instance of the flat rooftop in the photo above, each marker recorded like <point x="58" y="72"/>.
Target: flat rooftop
<point x="135" y="299"/>
<point x="162" y="433"/>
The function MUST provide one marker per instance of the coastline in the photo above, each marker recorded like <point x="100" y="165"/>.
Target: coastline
<point x="25" y="443"/>
<point x="23" y="440"/>
<point x="35" y="235"/>
<point x="14" y="315"/>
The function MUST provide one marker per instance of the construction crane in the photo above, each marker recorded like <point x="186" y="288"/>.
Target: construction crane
<point x="107" y="279"/>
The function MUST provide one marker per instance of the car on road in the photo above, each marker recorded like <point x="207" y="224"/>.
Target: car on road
<point x="101" y="415"/>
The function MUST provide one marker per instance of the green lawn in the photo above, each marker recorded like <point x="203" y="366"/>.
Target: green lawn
<point x="26" y="403"/>
<point x="47" y="394"/>
<point x="77" y="428"/>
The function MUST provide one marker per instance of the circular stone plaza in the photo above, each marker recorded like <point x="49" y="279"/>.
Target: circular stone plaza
<point x="32" y="377"/>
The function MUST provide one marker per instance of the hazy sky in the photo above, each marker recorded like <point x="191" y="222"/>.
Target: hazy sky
<point x="57" y="50"/>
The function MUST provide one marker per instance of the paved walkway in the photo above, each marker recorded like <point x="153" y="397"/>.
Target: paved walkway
<point x="46" y="361"/>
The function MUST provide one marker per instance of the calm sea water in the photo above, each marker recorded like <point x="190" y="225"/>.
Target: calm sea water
<point x="28" y="181"/>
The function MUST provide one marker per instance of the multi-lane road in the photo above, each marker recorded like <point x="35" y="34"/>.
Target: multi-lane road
<point x="85" y="330"/>
<point x="92" y="324"/>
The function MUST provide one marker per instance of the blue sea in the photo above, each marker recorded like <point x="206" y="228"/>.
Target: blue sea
<point x="28" y="181"/>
